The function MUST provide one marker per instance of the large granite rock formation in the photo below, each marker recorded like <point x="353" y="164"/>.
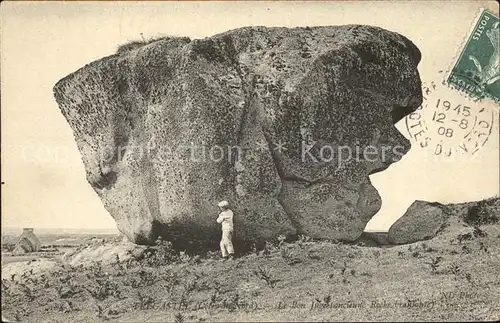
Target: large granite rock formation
<point x="254" y="116"/>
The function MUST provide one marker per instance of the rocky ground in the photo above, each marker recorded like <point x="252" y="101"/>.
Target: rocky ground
<point x="454" y="276"/>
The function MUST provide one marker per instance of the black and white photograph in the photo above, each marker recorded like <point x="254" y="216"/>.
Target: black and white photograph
<point x="250" y="161"/>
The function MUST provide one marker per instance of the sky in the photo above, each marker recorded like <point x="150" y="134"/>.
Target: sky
<point x="41" y="42"/>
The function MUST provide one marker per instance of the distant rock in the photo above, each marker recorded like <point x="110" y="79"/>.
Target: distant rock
<point x="274" y="120"/>
<point x="104" y="253"/>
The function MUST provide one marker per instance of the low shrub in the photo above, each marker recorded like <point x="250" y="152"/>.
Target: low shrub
<point x="481" y="214"/>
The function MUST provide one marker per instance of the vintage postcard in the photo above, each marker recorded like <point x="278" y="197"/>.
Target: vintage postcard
<point x="250" y="161"/>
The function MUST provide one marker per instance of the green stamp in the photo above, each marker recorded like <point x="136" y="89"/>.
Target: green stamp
<point x="477" y="70"/>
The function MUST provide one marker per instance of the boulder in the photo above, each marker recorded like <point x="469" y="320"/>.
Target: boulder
<point x="104" y="253"/>
<point x="421" y="221"/>
<point x="22" y="269"/>
<point x="275" y="120"/>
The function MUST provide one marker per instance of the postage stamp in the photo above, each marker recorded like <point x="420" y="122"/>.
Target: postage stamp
<point x="477" y="69"/>
<point x="449" y="123"/>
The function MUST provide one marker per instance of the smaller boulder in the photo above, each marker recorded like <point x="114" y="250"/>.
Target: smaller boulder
<point x="422" y="221"/>
<point x="20" y="270"/>
<point x="105" y="253"/>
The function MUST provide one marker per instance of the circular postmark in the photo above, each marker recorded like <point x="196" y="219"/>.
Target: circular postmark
<point x="448" y="123"/>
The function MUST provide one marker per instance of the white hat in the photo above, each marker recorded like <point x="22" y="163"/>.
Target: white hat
<point x="223" y="203"/>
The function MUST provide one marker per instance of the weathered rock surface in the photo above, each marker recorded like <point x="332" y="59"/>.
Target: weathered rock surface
<point x="20" y="270"/>
<point x="104" y="253"/>
<point x="254" y="116"/>
<point x="420" y="222"/>
<point x="424" y="220"/>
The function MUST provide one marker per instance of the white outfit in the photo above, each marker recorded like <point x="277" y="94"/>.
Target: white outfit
<point x="226" y="244"/>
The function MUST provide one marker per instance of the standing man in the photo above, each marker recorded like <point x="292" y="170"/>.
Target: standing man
<point x="226" y="219"/>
